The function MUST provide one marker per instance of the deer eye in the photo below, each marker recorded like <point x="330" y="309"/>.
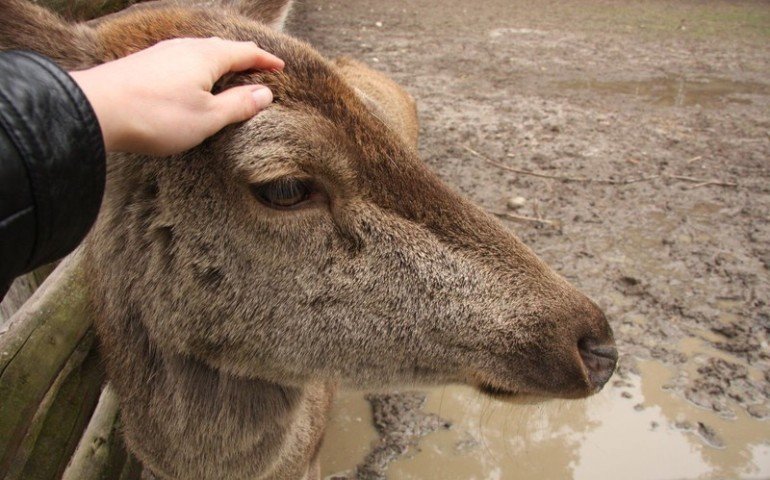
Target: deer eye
<point x="284" y="193"/>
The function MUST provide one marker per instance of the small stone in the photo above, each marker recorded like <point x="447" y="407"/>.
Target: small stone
<point x="378" y="24"/>
<point x="515" y="203"/>
<point x="630" y="281"/>
<point x="683" y="425"/>
<point x="626" y="395"/>
<point x="760" y="411"/>
<point x="710" y="435"/>
<point x="466" y="445"/>
<point x="654" y="424"/>
<point x="638" y="407"/>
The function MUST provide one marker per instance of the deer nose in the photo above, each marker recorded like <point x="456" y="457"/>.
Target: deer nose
<point x="599" y="359"/>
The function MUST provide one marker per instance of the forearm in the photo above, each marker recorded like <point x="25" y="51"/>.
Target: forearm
<point x="52" y="164"/>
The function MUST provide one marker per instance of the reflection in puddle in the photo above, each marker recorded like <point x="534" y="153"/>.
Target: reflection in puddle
<point x="637" y="430"/>
<point x="676" y="91"/>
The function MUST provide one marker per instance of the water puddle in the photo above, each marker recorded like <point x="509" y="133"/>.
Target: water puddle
<point x="349" y="435"/>
<point x="636" y="430"/>
<point x="674" y="91"/>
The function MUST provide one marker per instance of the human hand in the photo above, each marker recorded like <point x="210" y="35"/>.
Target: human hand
<point x="158" y="101"/>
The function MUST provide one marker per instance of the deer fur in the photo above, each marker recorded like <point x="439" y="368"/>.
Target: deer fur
<point x="226" y="325"/>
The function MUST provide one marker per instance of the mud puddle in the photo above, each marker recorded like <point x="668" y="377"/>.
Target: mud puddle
<point x="634" y="429"/>
<point x="676" y="91"/>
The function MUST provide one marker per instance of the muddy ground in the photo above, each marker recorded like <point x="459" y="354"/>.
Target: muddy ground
<point x="648" y="125"/>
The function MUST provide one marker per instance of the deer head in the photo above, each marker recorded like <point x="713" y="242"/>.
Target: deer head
<point x="311" y="242"/>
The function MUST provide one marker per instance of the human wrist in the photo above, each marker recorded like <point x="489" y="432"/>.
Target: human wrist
<point x="109" y="107"/>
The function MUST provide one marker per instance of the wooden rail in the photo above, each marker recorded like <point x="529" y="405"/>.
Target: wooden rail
<point x="51" y="380"/>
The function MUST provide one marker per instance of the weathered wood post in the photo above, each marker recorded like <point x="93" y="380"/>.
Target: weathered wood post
<point x="50" y="376"/>
<point x="51" y="379"/>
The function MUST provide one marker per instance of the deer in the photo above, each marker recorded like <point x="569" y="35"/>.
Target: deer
<point x="236" y="286"/>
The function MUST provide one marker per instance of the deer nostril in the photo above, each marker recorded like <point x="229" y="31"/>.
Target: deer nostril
<point x="599" y="359"/>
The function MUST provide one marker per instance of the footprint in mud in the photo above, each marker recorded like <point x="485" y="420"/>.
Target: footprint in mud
<point x="705" y="432"/>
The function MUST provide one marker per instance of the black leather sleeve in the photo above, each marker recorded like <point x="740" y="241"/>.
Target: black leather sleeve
<point x="52" y="164"/>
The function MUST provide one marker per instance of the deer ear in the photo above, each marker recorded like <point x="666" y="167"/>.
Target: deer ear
<point x="384" y="98"/>
<point x="272" y="13"/>
<point x="26" y="26"/>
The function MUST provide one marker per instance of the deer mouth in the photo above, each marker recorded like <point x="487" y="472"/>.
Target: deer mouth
<point x="493" y="391"/>
<point x="511" y="396"/>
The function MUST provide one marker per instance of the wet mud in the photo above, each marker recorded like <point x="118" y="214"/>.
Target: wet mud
<point x="649" y="126"/>
<point x="634" y="429"/>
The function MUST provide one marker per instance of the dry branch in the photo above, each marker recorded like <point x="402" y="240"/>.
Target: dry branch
<point x="609" y="181"/>
<point x="702" y="182"/>
<point x="525" y="172"/>
<point x="523" y="219"/>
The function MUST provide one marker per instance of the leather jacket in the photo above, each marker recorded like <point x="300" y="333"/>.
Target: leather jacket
<point x="52" y="164"/>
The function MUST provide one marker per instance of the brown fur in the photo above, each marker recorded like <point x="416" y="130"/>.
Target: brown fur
<point x="226" y="325"/>
<point x="25" y="26"/>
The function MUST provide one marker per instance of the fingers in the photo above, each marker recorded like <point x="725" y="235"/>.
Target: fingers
<point x="238" y="56"/>
<point x="241" y="103"/>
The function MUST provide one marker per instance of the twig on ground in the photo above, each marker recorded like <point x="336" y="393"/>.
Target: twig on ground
<point x="523" y="219"/>
<point x="694" y="159"/>
<point x="713" y="182"/>
<point x="701" y="182"/>
<point x="630" y="180"/>
<point x="525" y="172"/>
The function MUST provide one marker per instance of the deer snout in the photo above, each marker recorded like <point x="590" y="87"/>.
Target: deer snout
<point x="575" y="359"/>
<point x="595" y="346"/>
<point x="599" y="359"/>
<point x="593" y="356"/>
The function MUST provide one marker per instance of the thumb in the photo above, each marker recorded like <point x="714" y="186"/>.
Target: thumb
<point x="241" y="103"/>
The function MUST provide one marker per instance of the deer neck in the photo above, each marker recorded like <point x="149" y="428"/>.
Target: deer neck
<point x="185" y="419"/>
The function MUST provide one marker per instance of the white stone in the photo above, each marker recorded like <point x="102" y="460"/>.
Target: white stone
<point x="515" y="203"/>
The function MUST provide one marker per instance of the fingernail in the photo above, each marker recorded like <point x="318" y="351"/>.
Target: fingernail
<point x="262" y="96"/>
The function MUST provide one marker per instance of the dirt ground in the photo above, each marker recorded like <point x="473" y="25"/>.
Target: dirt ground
<point x="641" y="132"/>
